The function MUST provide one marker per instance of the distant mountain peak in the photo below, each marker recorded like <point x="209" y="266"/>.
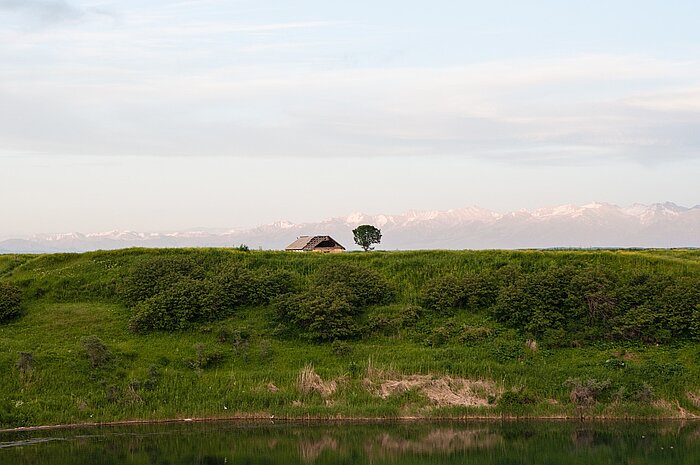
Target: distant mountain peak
<point x="594" y="224"/>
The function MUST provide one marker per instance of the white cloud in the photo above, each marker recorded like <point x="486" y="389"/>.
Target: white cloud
<point x="141" y="88"/>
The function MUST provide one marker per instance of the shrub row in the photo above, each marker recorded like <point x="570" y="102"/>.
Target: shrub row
<point x="566" y="305"/>
<point x="170" y="293"/>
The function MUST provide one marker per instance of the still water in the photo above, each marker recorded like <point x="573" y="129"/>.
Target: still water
<point x="566" y="443"/>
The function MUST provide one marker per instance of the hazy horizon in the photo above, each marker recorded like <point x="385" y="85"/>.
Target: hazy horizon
<point x="346" y="216"/>
<point x="170" y="115"/>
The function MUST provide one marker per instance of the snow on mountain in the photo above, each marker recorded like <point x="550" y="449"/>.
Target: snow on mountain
<point x="590" y="225"/>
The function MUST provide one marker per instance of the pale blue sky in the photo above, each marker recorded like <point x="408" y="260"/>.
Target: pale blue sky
<point x="156" y="115"/>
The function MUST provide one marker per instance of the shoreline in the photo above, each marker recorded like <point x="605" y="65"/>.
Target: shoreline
<point x="242" y="419"/>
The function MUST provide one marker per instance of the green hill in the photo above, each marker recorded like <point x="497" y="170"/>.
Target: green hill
<point x="155" y="334"/>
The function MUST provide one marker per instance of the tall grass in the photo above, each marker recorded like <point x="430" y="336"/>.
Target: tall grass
<point x="71" y="296"/>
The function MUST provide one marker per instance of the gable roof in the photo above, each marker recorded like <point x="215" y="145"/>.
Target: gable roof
<point x="300" y="243"/>
<point x="311" y="242"/>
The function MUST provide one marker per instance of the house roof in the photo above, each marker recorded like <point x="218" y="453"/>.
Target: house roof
<point x="300" y="243"/>
<point x="310" y="242"/>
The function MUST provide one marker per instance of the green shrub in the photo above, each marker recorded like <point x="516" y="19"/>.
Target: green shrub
<point x="515" y="401"/>
<point x="365" y="285"/>
<point x="96" y="351"/>
<point x="322" y="313"/>
<point x="185" y="302"/>
<point x="438" y="336"/>
<point x="10" y="301"/>
<point x="442" y="294"/>
<point x="472" y="291"/>
<point x="341" y="348"/>
<point x="203" y="358"/>
<point x="153" y="275"/>
<point x="409" y="315"/>
<point x="238" y="286"/>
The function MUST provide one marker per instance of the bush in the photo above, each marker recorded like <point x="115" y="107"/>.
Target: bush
<point x="341" y="348"/>
<point x="409" y="315"/>
<point x="365" y="286"/>
<point x="203" y="358"/>
<point x="96" y="351"/>
<point x="442" y="294"/>
<point x="10" y="301"/>
<point x="321" y="313"/>
<point x="154" y="275"/>
<point x="472" y="291"/>
<point x="185" y="302"/>
<point x="515" y="401"/>
<point x="239" y="287"/>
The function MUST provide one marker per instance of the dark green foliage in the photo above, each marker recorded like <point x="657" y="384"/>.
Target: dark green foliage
<point x="153" y="275"/>
<point x="364" y="286"/>
<point x="341" y="348"/>
<point x="10" y="301"/>
<point x="12" y="416"/>
<point x="204" y="358"/>
<point x="438" y="337"/>
<point x="322" y="313"/>
<point x="186" y="301"/>
<point x="678" y="306"/>
<point x="515" y="401"/>
<point x="97" y="352"/>
<point x="328" y="309"/>
<point x="565" y="305"/>
<point x="169" y="298"/>
<point x="641" y="323"/>
<point x="472" y="291"/>
<point x="365" y="235"/>
<point x="238" y="286"/>
<point x="442" y="294"/>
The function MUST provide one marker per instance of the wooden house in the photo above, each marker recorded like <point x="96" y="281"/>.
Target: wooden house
<point x="324" y="244"/>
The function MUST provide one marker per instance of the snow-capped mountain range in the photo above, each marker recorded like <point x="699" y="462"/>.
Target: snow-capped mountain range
<point x="590" y="225"/>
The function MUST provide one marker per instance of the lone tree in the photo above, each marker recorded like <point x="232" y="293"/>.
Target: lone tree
<point x="366" y="235"/>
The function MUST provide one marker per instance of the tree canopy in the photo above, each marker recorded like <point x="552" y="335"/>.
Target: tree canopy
<point x="366" y="235"/>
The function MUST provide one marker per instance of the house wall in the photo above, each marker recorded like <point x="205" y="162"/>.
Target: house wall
<point x="328" y="249"/>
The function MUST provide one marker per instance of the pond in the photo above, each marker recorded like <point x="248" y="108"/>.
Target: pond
<point x="483" y="443"/>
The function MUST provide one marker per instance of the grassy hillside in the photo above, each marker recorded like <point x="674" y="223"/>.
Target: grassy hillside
<point x="272" y="334"/>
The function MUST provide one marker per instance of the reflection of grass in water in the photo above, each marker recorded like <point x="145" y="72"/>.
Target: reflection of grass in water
<point x="414" y="443"/>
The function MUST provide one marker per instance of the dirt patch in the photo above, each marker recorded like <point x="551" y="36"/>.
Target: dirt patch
<point x="309" y="381"/>
<point x="272" y="388"/>
<point x="443" y="391"/>
<point x="694" y="397"/>
<point x="674" y="409"/>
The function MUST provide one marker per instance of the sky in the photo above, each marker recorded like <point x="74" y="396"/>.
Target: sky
<point x="158" y="115"/>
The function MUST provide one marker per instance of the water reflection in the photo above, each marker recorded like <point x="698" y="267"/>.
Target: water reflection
<point x="405" y="443"/>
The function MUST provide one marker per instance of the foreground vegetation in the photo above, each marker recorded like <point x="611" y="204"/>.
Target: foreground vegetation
<point x="155" y="334"/>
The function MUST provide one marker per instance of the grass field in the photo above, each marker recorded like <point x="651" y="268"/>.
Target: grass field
<point x="243" y="365"/>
